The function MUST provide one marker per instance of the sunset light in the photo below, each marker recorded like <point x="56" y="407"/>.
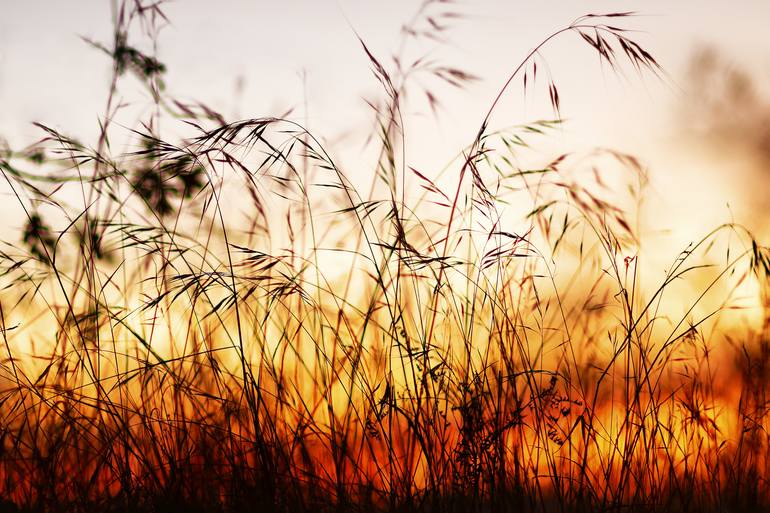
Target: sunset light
<point x="414" y="256"/>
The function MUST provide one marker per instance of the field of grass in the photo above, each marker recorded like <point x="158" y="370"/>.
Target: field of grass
<point x="225" y="321"/>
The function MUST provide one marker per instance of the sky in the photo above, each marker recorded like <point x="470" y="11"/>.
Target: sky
<point x="47" y="69"/>
<point x="259" y="58"/>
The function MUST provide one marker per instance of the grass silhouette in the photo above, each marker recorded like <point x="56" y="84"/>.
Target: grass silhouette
<point x="226" y="323"/>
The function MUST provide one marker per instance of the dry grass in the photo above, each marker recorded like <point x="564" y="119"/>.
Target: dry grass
<point x="226" y="323"/>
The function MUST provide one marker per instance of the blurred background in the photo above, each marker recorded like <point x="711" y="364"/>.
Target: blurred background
<point x="702" y="129"/>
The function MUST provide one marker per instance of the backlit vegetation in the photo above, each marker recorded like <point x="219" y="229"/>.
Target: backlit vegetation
<point x="225" y="322"/>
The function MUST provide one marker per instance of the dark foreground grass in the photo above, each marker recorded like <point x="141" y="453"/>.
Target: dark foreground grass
<point x="227" y="323"/>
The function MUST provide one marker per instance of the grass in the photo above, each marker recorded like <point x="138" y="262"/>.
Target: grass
<point x="227" y="323"/>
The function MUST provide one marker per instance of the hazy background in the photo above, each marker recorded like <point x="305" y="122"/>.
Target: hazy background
<point x="703" y="130"/>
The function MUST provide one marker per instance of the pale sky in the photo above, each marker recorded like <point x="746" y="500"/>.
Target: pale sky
<point x="48" y="74"/>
